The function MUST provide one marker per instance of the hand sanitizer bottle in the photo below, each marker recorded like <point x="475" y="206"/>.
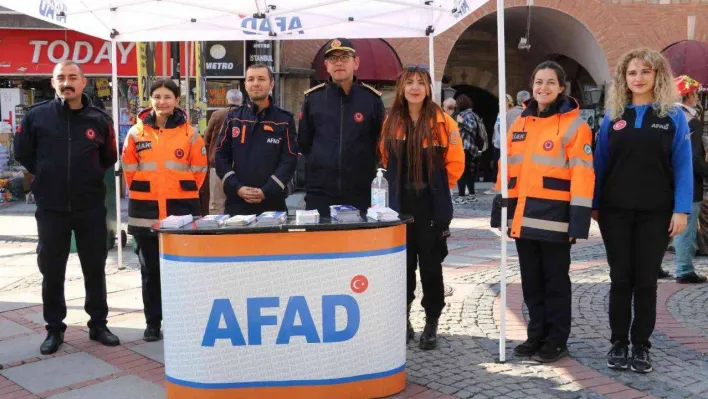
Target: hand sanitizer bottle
<point x="379" y="190"/>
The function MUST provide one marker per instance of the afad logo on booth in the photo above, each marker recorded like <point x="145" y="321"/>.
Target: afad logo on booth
<point x="283" y="25"/>
<point x="297" y="320"/>
<point x="53" y="9"/>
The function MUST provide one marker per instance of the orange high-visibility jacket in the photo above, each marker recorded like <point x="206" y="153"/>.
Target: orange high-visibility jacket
<point x="551" y="177"/>
<point x="164" y="169"/>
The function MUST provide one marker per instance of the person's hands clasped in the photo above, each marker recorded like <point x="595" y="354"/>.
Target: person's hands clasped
<point x="251" y="195"/>
<point x="678" y="224"/>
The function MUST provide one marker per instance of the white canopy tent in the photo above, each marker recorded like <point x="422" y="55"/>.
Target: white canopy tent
<point x="203" y="20"/>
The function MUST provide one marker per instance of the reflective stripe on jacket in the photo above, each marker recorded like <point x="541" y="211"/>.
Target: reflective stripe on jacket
<point x="164" y="169"/>
<point x="551" y="178"/>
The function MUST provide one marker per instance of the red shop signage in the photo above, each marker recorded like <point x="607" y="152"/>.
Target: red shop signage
<point x="35" y="52"/>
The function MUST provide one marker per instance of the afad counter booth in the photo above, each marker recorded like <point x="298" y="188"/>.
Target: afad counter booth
<point x="287" y="311"/>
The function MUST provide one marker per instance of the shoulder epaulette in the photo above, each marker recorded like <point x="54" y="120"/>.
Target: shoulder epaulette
<point x="378" y="93"/>
<point x="310" y="90"/>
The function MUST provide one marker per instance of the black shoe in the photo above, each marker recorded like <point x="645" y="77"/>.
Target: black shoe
<point x="104" y="336"/>
<point x="528" y="348"/>
<point x="618" y="356"/>
<point x="152" y="334"/>
<point x="550" y="353"/>
<point x="52" y="343"/>
<point x="664" y="274"/>
<point x="691" y="278"/>
<point x="429" y="337"/>
<point x="641" y="362"/>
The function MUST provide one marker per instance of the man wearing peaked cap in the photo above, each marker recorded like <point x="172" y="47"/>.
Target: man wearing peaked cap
<point x="340" y="124"/>
<point x="685" y="242"/>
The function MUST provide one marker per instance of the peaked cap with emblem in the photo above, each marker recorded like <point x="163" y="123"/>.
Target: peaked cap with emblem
<point x="340" y="44"/>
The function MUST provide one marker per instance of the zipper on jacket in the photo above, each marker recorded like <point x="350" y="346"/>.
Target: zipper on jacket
<point x="341" y="128"/>
<point x="68" y="164"/>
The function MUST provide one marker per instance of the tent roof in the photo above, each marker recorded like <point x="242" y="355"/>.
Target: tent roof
<point x="193" y="20"/>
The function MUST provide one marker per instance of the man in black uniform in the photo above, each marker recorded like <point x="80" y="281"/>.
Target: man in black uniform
<point x="68" y="144"/>
<point x="340" y="125"/>
<point x="256" y="151"/>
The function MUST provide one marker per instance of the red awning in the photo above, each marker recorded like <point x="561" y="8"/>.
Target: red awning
<point x="379" y="61"/>
<point x="689" y="57"/>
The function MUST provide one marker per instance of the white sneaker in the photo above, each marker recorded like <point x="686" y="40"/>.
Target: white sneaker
<point x="490" y="192"/>
<point x="470" y="198"/>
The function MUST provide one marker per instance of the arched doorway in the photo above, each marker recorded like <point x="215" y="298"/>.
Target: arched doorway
<point x="485" y="105"/>
<point x="552" y="35"/>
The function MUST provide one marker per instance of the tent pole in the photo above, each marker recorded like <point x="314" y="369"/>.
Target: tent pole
<point x="186" y="78"/>
<point x="501" y="48"/>
<point x="114" y="111"/>
<point x="431" y="56"/>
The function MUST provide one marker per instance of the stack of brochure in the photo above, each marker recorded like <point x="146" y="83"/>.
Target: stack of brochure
<point x="382" y="214"/>
<point x="175" y="222"/>
<point x="212" y="221"/>
<point x="307" y="217"/>
<point x="345" y="213"/>
<point x="272" y="218"/>
<point x="240" y="220"/>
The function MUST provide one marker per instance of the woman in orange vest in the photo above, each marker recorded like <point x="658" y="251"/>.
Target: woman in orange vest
<point x="550" y="183"/>
<point x="422" y="151"/>
<point x="165" y="163"/>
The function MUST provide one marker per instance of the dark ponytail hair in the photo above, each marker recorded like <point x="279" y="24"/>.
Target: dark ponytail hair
<point x="556" y="67"/>
<point x="168" y="84"/>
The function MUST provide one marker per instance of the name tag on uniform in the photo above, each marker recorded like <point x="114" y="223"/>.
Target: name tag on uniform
<point x="143" y="145"/>
<point x="518" y="136"/>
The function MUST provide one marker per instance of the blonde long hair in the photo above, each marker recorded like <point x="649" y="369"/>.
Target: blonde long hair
<point x="665" y="93"/>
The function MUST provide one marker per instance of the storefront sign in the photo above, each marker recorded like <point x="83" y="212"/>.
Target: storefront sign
<point x="260" y="52"/>
<point x="216" y="94"/>
<point x="224" y="59"/>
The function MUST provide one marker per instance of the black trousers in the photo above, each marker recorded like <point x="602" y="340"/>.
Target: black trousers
<point x="469" y="175"/>
<point x="255" y="209"/>
<point x="425" y="249"/>
<point x="323" y="202"/>
<point x="635" y="243"/>
<point x="148" y="251"/>
<point x="546" y="288"/>
<point x="90" y="232"/>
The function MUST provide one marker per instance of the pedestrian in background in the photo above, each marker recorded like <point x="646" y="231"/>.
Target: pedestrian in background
<point x="643" y="195"/>
<point x="450" y="107"/>
<point x="496" y="138"/>
<point x="422" y="151"/>
<point x="685" y="242"/>
<point x="213" y="190"/>
<point x="68" y="144"/>
<point x="550" y="185"/>
<point x="340" y="126"/>
<point x="474" y="142"/>
<point x="256" y="154"/>
<point x="165" y="163"/>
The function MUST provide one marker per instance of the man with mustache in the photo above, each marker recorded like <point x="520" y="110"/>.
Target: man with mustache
<point x="256" y="151"/>
<point x="340" y="125"/>
<point x="68" y="144"/>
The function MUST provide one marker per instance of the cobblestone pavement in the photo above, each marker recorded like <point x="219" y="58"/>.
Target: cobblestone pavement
<point x="464" y="366"/>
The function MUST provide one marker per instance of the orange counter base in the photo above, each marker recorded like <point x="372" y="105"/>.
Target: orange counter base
<point x="377" y="388"/>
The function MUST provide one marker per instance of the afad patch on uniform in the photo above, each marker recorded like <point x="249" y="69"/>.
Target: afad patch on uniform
<point x="587" y="149"/>
<point x="620" y="125"/>
<point x="518" y="136"/>
<point x="454" y="137"/>
<point x="548" y="145"/>
<point x="143" y="145"/>
<point x="91" y="134"/>
<point x="359" y="117"/>
<point x="179" y="153"/>
<point x="204" y="150"/>
<point x="235" y="132"/>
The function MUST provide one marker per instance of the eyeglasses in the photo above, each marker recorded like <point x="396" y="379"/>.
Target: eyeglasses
<point x="341" y="57"/>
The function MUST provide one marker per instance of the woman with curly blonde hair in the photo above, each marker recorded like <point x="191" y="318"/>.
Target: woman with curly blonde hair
<point x="643" y="194"/>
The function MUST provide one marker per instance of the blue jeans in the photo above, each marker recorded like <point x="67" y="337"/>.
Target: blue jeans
<point x="685" y="243"/>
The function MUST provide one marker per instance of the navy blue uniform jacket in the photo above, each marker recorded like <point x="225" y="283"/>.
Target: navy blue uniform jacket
<point x="68" y="152"/>
<point x="256" y="148"/>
